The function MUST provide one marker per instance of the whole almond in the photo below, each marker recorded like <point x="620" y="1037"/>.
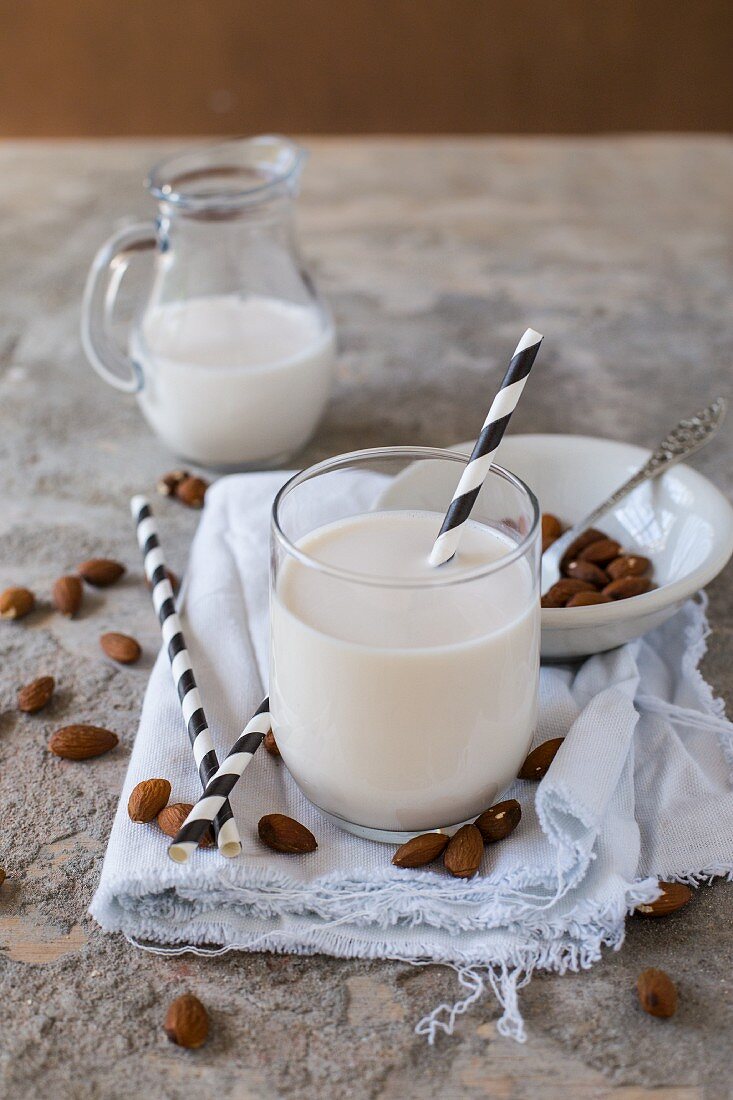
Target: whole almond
<point x="587" y="599"/>
<point x="67" y="595"/>
<point x="464" y="852"/>
<point x="674" y="895"/>
<point x="148" y="799"/>
<point x="120" y="647"/>
<point x="36" y="694"/>
<point x="171" y="818"/>
<point x="657" y="993"/>
<point x="551" y="526"/>
<point x="421" y="850"/>
<point x="629" y="565"/>
<point x="16" y="602"/>
<point x="538" y="762"/>
<point x="560" y="592"/>
<point x="625" y="587"/>
<point x="499" y="821"/>
<point x="187" y="1022"/>
<point x="587" y="571"/>
<point x="168" y="483"/>
<point x="271" y="744"/>
<point x="191" y="491"/>
<point x="81" y="742"/>
<point x="577" y="545"/>
<point x="600" y="552"/>
<point x="285" y="834"/>
<point x="100" y="572"/>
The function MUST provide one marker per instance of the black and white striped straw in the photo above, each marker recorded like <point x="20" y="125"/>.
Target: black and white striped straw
<point x="478" y="465"/>
<point x="221" y="785"/>
<point x="225" y="827"/>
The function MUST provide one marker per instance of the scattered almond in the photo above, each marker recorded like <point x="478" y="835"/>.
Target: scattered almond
<point x="35" y="695"/>
<point x="271" y="744"/>
<point x="499" y="821"/>
<point x="560" y="592"/>
<point x="538" y="762"/>
<point x="191" y="491"/>
<point x="421" y="850"/>
<point x="600" y="551"/>
<point x="148" y="799"/>
<point x="187" y="1022"/>
<point x="81" y="742"/>
<point x="16" y="603"/>
<point x="464" y="852"/>
<point x="587" y="571"/>
<point x="171" y="818"/>
<point x="100" y="572"/>
<point x="587" y="599"/>
<point x="168" y="483"/>
<point x="628" y="565"/>
<point x="657" y="993"/>
<point x="551" y="526"/>
<point x="625" y="587"/>
<point x="121" y="648"/>
<point x="67" y="593"/>
<point x="577" y="545"/>
<point x="674" y="895"/>
<point x="285" y="834"/>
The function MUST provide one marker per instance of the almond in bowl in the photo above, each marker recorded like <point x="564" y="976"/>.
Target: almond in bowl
<point x="595" y="569"/>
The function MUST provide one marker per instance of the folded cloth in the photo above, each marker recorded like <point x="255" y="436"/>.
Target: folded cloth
<point x="640" y="790"/>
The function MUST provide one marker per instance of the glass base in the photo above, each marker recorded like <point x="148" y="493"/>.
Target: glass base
<point x="388" y="836"/>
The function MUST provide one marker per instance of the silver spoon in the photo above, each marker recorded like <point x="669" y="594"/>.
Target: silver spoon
<point x="687" y="437"/>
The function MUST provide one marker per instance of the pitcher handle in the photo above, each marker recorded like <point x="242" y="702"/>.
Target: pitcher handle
<point x="100" y="293"/>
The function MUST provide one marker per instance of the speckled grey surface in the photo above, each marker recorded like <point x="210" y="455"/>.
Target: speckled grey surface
<point x="434" y="254"/>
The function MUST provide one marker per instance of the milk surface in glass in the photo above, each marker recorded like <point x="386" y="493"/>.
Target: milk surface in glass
<point x="402" y="707"/>
<point x="230" y="380"/>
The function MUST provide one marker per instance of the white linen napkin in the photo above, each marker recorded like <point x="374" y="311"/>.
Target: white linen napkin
<point x="640" y="789"/>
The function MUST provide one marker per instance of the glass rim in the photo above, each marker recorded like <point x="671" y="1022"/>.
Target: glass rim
<point x="165" y="177"/>
<point x="441" y="578"/>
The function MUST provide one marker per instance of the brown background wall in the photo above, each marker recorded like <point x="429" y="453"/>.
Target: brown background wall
<point x="93" y="67"/>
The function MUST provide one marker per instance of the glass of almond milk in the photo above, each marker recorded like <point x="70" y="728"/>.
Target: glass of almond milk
<point x="231" y="355"/>
<point x="404" y="697"/>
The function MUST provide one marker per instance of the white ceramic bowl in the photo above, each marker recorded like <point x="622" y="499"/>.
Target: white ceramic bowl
<point x="680" y="521"/>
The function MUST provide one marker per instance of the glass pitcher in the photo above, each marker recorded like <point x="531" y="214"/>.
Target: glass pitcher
<point x="231" y="357"/>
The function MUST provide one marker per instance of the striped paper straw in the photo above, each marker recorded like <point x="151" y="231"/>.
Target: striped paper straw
<point x="478" y="465"/>
<point x="221" y="785"/>
<point x="225" y="826"/>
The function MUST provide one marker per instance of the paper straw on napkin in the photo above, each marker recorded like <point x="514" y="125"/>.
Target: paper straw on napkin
<point x="478" y="465"/>
<point x="221" y="784"/>
<point x="225" y="827"/>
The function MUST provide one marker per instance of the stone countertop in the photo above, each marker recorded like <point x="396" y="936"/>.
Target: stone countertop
<point x="434" y="255"/>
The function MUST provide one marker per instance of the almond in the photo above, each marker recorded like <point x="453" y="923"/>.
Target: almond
<point x="538" y="762"/>
<point x="587" y="571"/>
<point x="81" y="742"/>
<point x="499" y="821"/>
<point x="600" y="552"/>
<point x="629" y="565"/>
<point x="579" y="544"/>
<point x="559" y="594"/>
<point x="168" y="483"/>
<point x="464" y="852"/>
<point x="148" y="799"/>
<point x="674" y="895"/>
<point x="171" y="818"/>
<point x="551" y="526"/>
<point x="191" y="491"/>
<point x="36" y="694"/>
<point x="587" y="599"/>
<point x="421" y="850"/>
<point x="547" y="541"/>
<point x="187" y="1022"/>
<point x="67" y="595"/>
<point x="120" y="647"/>
<point x="100" y="572"/>
<point x="285" y="834"/>
<point x="16" y="603"/>
<point x="657" y="993"/>
<point x="625" y="587"/>
<point x="271" y="744"/>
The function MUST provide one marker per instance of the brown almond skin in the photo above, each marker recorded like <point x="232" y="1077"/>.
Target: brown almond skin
<point x="187" y="1022"/>
<point x="499" y="821"/>
<point x="285" y="834"/>
<point x="551" y="526"/>
<point x="674" y="895"/>
<point x="100" y="572"/>
<point x="587" y="571"/>
<point x="657" y="993"/>
<point x="547" y="541"/>
<point x="121" y="648"/>
<point x="464" y="852"/>
<point x="587" y="599"/>
<point x="147" y="799"/>
<point x="633" y="565"/>
<point x="626" y="587"/>
<point x="16" y="602"/>
<point x="2" y="875"/>
<point x="171" y="818"/>
<point x="538" y="762"/>
<point x="67" y="594"/>
<point x="191" y="491"/>
<point x="168" y="483"/>
<point x="82" y="742"/>
<point x="421" y="850"/>
<point x="577" y="545"/>
<point x="600" y="552"/>
<point x="560" y="592"/>
<point x="271" y="744"/>
<point x="35" y="695"/>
